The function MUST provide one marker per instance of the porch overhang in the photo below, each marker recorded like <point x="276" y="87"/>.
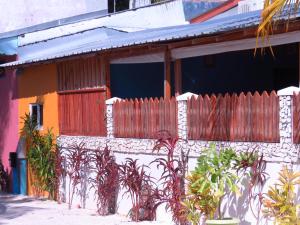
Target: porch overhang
<point x="236" y="45"/>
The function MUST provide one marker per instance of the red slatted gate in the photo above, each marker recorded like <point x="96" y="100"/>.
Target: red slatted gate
<point x="234" y="118"/>
<point x="82" y="114"/>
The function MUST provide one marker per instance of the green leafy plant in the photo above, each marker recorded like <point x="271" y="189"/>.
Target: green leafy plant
<point x="41" y="156"/>
<point x="280" y="202"/>
<point x="197" y="201"/>
<point x="29" y="131"/>
<point x="210" y="181"/>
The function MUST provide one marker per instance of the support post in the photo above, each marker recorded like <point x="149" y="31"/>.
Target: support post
<point x="285" y="116"/>
<point x="182" y="114"/>
<point x="109" y="117"/>
<point x="167" y="75"/>
<point x="178" y="77"/>
<point x="105" y="72"/>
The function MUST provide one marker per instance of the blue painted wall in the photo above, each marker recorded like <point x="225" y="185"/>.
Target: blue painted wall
<point x="137" y="80"/>
<point x="228" y="72"/>
<point x="23" y="176"/>
<point x="241" y="71"/>
<point x="16" y="181"/>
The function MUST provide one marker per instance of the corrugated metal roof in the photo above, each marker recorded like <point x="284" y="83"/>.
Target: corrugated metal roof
<point x="239" y="21"/>
<point x="71" y="20"/>
<point x="165" y="14"/>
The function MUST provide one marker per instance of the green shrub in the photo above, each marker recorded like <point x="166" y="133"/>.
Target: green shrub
<point x="41" y="156"/>
<point x="210" y="181"/>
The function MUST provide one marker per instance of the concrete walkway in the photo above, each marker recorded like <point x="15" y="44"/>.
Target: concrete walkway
<point x="22" y="210"/>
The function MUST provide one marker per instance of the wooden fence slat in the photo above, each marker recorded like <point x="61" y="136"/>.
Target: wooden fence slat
<point x="296" y="118"/>
<point x="80" y="74"/>
<point x="196" y="116"/>
<point x="235" y="117"/>
<point x="82" y="114"/>
<point x="143" y="118"/>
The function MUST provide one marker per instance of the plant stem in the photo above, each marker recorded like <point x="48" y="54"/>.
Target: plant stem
<point x="70" y="193"/>
<point x="220" y="216"/>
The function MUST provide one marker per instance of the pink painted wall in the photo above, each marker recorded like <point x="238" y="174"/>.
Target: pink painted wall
<point x="8" y="116"/>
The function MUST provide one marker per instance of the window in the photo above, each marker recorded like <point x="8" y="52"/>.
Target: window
<point x="120" y="5"/>
<point x="36" y="113"/>
<point x="2" y="71"/>
<point x="117" y="5"/>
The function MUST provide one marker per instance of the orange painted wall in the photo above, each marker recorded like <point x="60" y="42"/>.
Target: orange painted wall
<point x="38" y="84"/>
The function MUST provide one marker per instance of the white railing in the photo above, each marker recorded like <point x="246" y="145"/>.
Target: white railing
<point x="138" y="3"/>
<point x="245" y="6"/>
<point x="250" y="5"/>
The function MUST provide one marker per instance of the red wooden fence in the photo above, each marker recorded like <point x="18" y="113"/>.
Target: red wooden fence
<point x="144" y="118"/>
<point x="82" y="113"/>
<point x="234" y="118"/>
<point x="296" y="118"/>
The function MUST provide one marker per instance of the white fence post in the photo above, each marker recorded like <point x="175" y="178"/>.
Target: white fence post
<point x="286" y="115"/>
<point x="182" y="114"/>
<point x="109" y="116"/>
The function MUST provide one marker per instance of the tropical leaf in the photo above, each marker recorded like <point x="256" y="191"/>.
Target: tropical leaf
<point x="272" y="11"/>
<point x="280" y="202"/>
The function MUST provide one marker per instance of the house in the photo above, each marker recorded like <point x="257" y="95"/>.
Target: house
<point x="77" y="88"/>
<point x="60" y="36"/>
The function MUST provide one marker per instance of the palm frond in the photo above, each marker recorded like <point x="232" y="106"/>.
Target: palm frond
<point x="272" y="11"/>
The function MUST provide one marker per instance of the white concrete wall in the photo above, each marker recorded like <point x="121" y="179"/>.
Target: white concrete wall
<point x="18" y="14"/>
<point x="238" y="207"/>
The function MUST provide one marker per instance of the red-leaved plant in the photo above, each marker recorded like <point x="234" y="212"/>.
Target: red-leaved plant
<point x="173" y="176"/>
<point x="3" y="178"/>
<point x="76" y="160"/>
<point x="59" y="172"/>
<point x="139" y="185"/>
<point x="253" y="164"/>
<point x="105" y="181"/>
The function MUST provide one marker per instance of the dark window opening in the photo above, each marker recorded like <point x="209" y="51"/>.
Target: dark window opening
<point x="41" y="116"/>
<point x="117" y="5"/>
<point x="2" y="70"/>
<point x="241" y="71"/>
<point x="36" y="113"/>
<point x="142" y="80"/>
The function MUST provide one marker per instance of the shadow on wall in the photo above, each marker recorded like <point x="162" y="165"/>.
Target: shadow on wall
<point x="8" y="115"/>
<point x="239" y="206"/>
<point x="4" y="109"/>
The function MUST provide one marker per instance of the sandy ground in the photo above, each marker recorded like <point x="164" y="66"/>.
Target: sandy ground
<point x="22" y="210"/>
